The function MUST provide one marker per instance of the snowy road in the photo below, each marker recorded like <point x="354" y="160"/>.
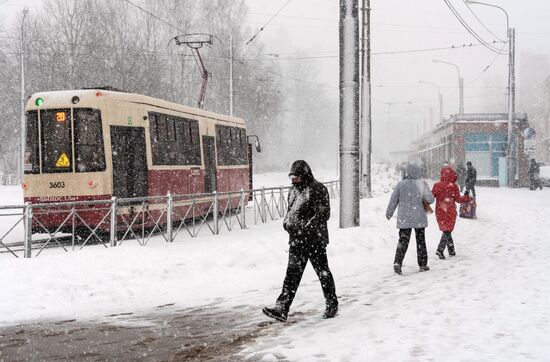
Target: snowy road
<point x="490" y="302"/>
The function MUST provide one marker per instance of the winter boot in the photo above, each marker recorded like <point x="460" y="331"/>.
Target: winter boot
<point x="440" y="254"/>
<point x="452" y="254"/>
<point x="330" y="311"/>
<point x="397" y="268"/>
<point x="424" y="268"/>
<point x="279" y="313"/>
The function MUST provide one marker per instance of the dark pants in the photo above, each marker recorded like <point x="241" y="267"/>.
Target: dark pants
<point x="446" y="240"/>
<point x="298" y="255"/>
<point x="534" y="182"/>
<point x="472" y="188"/>
<point x="403" y="244"/>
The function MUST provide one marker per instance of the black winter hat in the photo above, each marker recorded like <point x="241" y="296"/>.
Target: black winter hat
<point x="302" y="169"/>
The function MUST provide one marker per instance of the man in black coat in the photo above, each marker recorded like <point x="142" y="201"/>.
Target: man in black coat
<point x="471" y="178"/>
<point x="306" y="224"/>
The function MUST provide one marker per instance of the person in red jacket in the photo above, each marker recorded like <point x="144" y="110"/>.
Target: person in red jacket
<point x="446" y="193"/>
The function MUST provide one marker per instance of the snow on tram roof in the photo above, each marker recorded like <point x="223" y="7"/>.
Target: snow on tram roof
<point x="90" y="96"/>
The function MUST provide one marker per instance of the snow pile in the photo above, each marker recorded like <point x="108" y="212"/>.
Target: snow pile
<point x="384" y="178"/>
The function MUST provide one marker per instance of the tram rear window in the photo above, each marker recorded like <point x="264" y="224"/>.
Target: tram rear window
<point x="56" y="140"/>
<point x="32" y="161"/>
<point x="88" y="140"/>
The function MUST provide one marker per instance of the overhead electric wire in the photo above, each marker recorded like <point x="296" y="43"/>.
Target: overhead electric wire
<point x="154" y="16"/>
<point x="485" y="69"/>
<point x="481" y="22"/>
<point x="463" y="46"/>
<point x="469" y="29"/>
<point x="266" y="24"/>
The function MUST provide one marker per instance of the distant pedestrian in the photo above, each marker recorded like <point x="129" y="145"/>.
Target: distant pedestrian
<point x="424" y="169"/>
<point x="410" y="196"/>
<point x="306" y="224"/>
<point x="534" y="175"/>
<point x="471" y="179"/>
<point x="446" y="193"/>
<point x="461" y="173"/>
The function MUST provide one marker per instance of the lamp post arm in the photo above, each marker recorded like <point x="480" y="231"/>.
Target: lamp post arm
<point x="493" y="6"/>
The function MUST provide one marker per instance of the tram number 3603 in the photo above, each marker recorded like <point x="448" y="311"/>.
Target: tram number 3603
<point x="57" y="185"/>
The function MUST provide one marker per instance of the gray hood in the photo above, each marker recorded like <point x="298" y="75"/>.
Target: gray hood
<point x="413" y="171"/>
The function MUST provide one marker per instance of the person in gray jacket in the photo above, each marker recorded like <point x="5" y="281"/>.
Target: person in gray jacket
<point x="409" y="197"/>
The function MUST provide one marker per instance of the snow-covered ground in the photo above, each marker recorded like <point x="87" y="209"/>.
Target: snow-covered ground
<point x="490" y="302"/>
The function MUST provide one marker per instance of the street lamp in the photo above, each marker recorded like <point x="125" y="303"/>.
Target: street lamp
<point x="21" y="163"/>
<point x="511" y="32"/>
<point x="429" y="104"/>
<point x="440" y="98"/>
<point x="460" y="84"/>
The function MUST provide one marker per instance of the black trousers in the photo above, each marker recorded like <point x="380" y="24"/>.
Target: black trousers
<point x="403" y="245"/>
<point x="446" y="241"/>
<point x="472" y="188"/>
<point x="298" y="257"/>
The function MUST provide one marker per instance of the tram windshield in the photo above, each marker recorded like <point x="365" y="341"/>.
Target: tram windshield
<point x="56" y="140"/>
<point x="52" y="152"/>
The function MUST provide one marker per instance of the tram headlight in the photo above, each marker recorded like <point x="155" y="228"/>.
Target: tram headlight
<point x="38" y="102"/>
<point x="75" y="100"/>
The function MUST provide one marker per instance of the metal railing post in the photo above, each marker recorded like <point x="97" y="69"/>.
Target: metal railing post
<point x="243" y="211"/>
<point x="282" y="201"/>
<point x="169" y="225"/>
<point x="254" y="202"/>
<point x="73" y="218"/>
<point x="28" y="230"/>
<point x="113" y="221"/>
<point x="215" y="213"/>
<point x="263" y="213"/>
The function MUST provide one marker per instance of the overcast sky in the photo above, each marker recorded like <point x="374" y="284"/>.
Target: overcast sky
<point x="309" y="28"/>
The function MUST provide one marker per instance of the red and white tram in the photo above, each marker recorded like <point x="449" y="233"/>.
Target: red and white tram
<point x="94" y="144"/>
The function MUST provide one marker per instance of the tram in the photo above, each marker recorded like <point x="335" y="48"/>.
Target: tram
<point x="93" y="144"/>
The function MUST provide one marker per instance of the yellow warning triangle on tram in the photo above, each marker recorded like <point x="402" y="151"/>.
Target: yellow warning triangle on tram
<point x="63" y="161"/>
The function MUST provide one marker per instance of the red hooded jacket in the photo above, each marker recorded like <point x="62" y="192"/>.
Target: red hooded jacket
<point x="446" y="193"/>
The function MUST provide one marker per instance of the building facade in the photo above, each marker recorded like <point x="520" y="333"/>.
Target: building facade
<point x="479" y="138"/>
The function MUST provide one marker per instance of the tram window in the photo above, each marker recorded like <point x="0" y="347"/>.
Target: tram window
<point x="32" y="162"/>
<point x="162" y="128"/>
<point x="56" y="141"/>
<point x="174" y="140"/>
<point x="89" y="151"/>
<point x="230" y="150"/>
<point x="194" y="154"/>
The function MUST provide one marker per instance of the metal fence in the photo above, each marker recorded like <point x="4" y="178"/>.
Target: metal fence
<point x="28" y="230"/>
<point x="10" y="179"/>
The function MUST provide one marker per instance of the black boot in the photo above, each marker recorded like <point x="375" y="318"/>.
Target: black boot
<point x="279" y="313"/>
<point x="397" y="268"/>
<point x="440" y="254"/>
<point x="330" y="311"/>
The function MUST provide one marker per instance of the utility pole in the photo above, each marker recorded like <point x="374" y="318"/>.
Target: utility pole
<point x="511" y="151"/>
<point x="366" y="114"/>
<point x="460" y="84"/>
<point x="231" y="75"/>
<point x="21" y="168"/>
<point x="511" y="155"/>
<point x="461" y="91"/>
<point x="349" y="113"/>
<point x="440" y="98"/>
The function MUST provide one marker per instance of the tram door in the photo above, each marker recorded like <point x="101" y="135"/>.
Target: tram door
<point x="129" y="161"/>
<point x="209" y="152"/>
